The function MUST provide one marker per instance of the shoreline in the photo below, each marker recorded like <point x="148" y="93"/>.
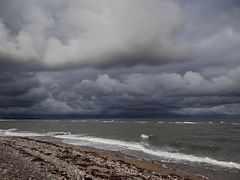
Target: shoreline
<point x="24" y="158"/>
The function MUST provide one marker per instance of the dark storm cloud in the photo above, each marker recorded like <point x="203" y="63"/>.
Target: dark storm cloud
<point x="144" y="93"/>
<point x="15" y="84"/>
<point x="188" y="85"/>
<point x="119" y="57"/>
<point x="20" y="90"/>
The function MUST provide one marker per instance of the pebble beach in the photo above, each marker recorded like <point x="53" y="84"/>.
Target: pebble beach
<point x="31" y="158"/>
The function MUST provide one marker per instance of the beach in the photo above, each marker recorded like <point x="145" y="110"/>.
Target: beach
<point x="31" y="158"/>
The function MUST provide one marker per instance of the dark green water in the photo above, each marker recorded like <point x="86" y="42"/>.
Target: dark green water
<point x="210" y="143"/>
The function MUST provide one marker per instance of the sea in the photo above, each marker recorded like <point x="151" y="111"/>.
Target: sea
<point x="196" y="143"/>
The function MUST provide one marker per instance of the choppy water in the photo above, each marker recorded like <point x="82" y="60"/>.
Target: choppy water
<point x="205" y="143"/>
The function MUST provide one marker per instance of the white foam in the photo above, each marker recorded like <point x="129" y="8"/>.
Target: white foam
<point x="12" y="129"/>
<point x="145" y="136"/>
<point x="58" y="133"/>
<point x="190" y="123"/>
<point x="112" y="121"/>
<point x="141" y="122"/>
<point x="109" y="121"/>
<point x="4" y="131"/>
<point x="12" y="132"/>
<point x="177" y="157"/>
<point x="118" y="144"/>
<point x="79" y="120"/>
<point x="117" y="121"/>
<point x="235" y="123"/>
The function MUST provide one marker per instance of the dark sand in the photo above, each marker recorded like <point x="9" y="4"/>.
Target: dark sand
<point x="26" y="158"/>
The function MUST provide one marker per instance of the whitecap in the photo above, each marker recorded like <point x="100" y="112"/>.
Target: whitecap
<point x="186" y="122"/>
<point x="57" y="133"/>
<point x="13" y="132"/>
<point x="235" y="123"/>
<point x="108" y="121"/>
<point x="135" y="146"/>
<point x="145" y="136"/>
<point x="141" y="122"/>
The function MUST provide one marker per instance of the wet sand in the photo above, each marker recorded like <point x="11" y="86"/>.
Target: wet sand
<point x="28" y="158"/>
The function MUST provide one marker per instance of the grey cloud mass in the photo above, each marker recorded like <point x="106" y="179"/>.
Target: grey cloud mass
<point x="20" y="91"/>
<point x="92" y="33"/>
<point x="139" y="91"/>
<point x="119" y="58"/>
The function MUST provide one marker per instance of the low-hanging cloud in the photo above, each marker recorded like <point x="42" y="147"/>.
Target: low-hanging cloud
<point x="20" y="90"/>
<point x="190" y="84"/>
<point x="189" y="93"/>
<point x="145" y="93"/>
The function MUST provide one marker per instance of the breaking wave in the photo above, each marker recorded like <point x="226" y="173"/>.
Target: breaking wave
<point x="118" y="145"/>
<point x="126" y="146"/>
<point x="145" y="136"/>
<point x="58" y="133"/>
<point x="13" y="132"/>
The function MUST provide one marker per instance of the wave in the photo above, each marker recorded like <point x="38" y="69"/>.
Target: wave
<point x="84" y="120"/>
<point x="145" y="136"/>
<point x="12" y="132"/>
<point x="235" y="123"/>
<point x="112" y="121"/>
<point x="5" y="131"/>
<point x="80" y="121"/>
<point x="98" y="121"/>
<point x="12" y="129"/>
<point x="135" y="146"/>
<point x="186" y="122"/>
<point x="141" y="122"/>
<point x="125" y="146"/>
<point x="58" y="133"/>
<point x="197" y="122"/>
<point x="108" y="121"/>
<point x="202" y="122"/>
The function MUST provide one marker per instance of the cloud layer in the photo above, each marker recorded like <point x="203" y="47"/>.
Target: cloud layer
<point x="169" y="92"/>
<point x="92" y="33"/>
<point x="102" y="57"/>
<point x="134" y="94"/>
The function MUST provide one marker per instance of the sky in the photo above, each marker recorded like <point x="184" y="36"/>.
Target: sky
<point x="119" y="58"/>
